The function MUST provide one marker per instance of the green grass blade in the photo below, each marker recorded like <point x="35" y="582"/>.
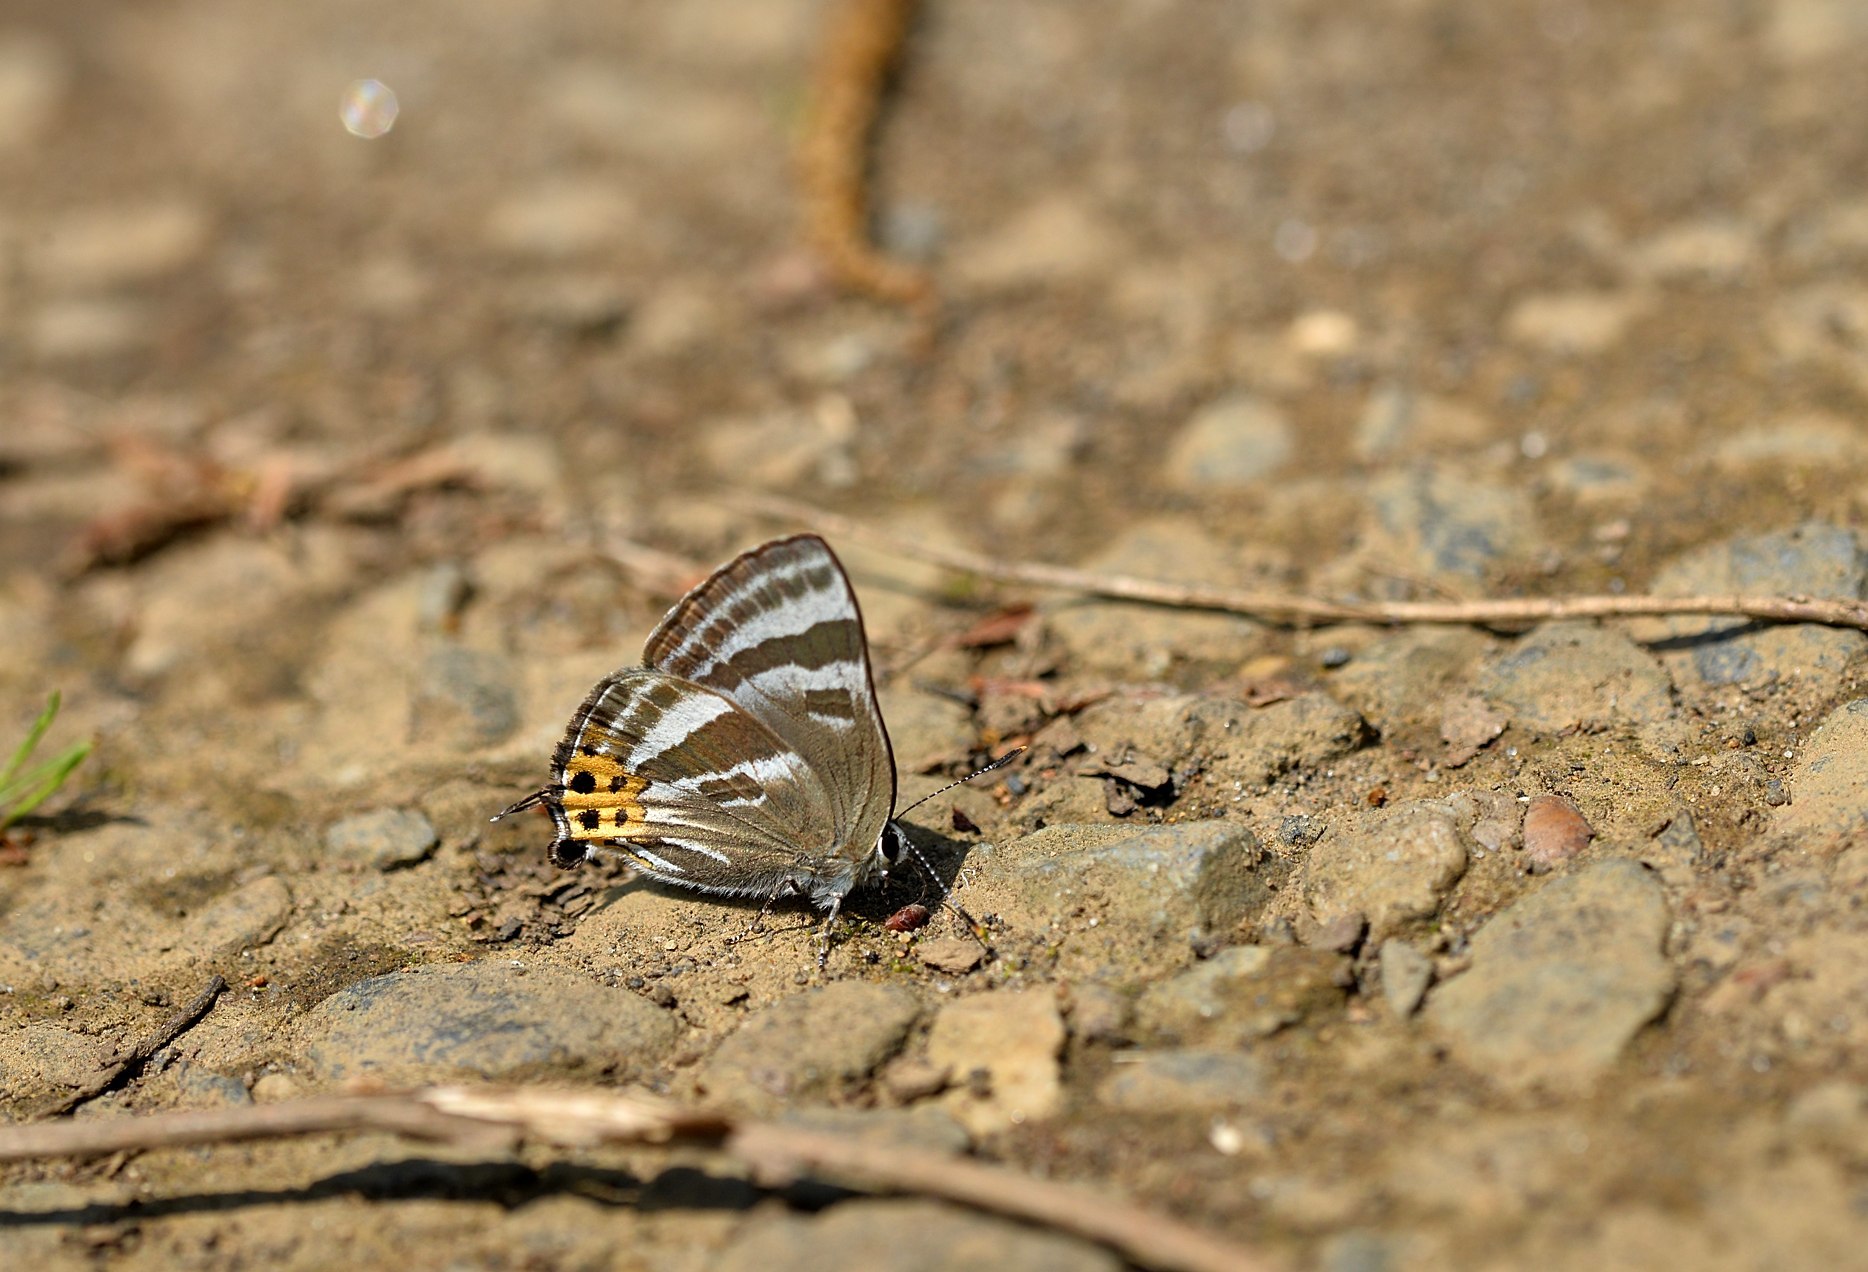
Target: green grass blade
<point x="39" y="783"/>
<point x="33" y="735"/>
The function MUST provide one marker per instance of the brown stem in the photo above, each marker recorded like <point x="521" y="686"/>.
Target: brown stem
<point x="124" y="1063"/>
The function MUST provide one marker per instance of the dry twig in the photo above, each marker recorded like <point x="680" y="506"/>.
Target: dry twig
<point x="126" y="1062"/>
<point x="1283" y="607"/>
<point x="862" y="39"/>
<point x="496" y="1118"/>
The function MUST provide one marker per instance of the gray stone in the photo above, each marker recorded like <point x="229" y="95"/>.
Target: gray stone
<point x="488" y="1019"/>
<point x="1183" y="1080"/>
<point x="1579" y="678"/>
<point x="242" y="918"/>
<point x="1229" y="443"/>
<point x="1394" y="866"/>
<point x="1399" y="678"/>
<point x="1813" y="559"/>
<point x="904" y="1236"/>
<point x="1561" y="980"/>
<point x="1235" y="745"/>
<point x="1828" y="805"/>
<point x="1406" y="974"/>
<point x="1442" y="523"/>
<point x="1243" y="994"/>
<point x="812" y="1046"/>
<point x="384" y="839"/>
<point x="1163" y="886"/>
<point x="464" y="697"/>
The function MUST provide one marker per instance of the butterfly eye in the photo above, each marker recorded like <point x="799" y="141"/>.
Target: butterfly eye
<point x="893" y="845"/>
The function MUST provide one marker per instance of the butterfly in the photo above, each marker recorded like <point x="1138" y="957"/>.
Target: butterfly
<point x="746" y="756"/>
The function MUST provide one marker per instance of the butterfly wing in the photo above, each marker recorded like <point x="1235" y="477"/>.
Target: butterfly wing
<point x="778" y="632"/>
<point x="689" y="787"/>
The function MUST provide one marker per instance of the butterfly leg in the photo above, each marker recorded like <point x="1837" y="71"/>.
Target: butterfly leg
<point x="786" y="888"/>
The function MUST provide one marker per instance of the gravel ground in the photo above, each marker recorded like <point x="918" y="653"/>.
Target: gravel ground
<point x="1373" y="949"/>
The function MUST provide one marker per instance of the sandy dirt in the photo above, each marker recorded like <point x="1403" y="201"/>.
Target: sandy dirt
<point x="322" y="459"/>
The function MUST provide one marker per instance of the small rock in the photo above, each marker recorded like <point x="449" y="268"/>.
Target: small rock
<point x="386" y="839"/>
<point x="1229" y="443"/>
<point x="899" y="1236"/>
<point x="1163" y="887"/>
<point x="1576" y="677"/>
<point x="1394" y="866"/>
<point x="1339" y="933"/>
<point x="1406" y="974"/>
<point x="488" y="1019"/>
<point x="1554" y="831"/>
<point x="1561" y="980"/>
<point x="1443" y="523"/>
<point x="951" y="954"/>
<point x="275" y="1088"/>
<point x="1243" y="994"/>
<point x="911" y="1078"/>
<point x="1467" y="724"/>
<point x="1401" y="678"/>
<point x="1574" y="322"/>
<point x="1014" y="1038"/>
<point x="245" y="918"/>
<point x="1830" y="782"/>
<point x="464" y="697"/>
<point x="812" y="1046"/>
<point x="1183" y="1080"/>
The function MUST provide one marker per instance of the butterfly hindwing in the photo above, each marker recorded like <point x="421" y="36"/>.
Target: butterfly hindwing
<point x="778" y="631"/>
<point x="688" y="786"/>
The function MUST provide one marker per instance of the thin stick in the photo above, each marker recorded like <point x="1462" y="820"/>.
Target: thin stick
<point x="124" y="1063"/>
<point x="486" y="1118"/>
<point x="862" y="39"/>
<point x="1283" y="607"/>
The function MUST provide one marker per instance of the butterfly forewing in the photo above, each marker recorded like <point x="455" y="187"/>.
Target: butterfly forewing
<point x="778" y="632"/>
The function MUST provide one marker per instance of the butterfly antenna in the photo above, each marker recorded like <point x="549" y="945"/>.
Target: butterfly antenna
<point x="530" y="800"/>
<point x="999" y="763"/>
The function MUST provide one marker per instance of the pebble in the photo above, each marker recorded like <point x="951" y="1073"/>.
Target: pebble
<point x="1554" y="831"/>
<point x="243" y="918"/>
<point x="1813" y="559"/>
<point x="903" y="1236"/>
<point x="1234" y="744"/>
<point x="1468" y="723"/>
<point x="1394" y="866"/>
<point x="951" y="954"/>
<point x="1055" y="240"/>
<point x="1098" y="1013"/>
<point x="1151" y="893"/>
<point x="1567" y="678"/>
<point x="1183" y="1080"/>
<point x="464" y="698"/>
<point x="489" y="1019"/>
<point x="1443" y="523"/>
<point x="1230" y="443"/>
<point x="1561" y="980"/>
<point x="1014" y="1038"/>
<point x="1243" y="994"/>
<point x="814" y="1046"/>
<point x="1828" y="807"/>
<point x="1406" y="974"/>
<point x="386" y="839"/>
<point x="1576" y="322"/>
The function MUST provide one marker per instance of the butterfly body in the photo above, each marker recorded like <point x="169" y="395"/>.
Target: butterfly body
<point x="746" y="756"/>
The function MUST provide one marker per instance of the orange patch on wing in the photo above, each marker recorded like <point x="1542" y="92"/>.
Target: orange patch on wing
<point x="601" y="798"/>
